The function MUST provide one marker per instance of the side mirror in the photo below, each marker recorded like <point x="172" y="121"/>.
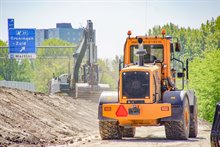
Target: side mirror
<point x="180" y="75"/>
<point x="171" y="47"/>
<point x="177" y="47"/>
<point x="120" y="62"/>
<point x="187" y="69"/>
<point x="119" y="65"/>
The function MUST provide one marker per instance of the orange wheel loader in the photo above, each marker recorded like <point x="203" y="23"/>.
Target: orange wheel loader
<point x="148" y="92"/>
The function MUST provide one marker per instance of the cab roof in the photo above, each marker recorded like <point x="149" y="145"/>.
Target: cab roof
<point x="146" y="67"/>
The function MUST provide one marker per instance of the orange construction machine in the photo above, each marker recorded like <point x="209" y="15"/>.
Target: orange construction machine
<point x="148" y="91"/>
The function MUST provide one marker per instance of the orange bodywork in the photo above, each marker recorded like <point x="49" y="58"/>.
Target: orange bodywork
<point x="151" y="110"/>
<point x="149" y="114"/>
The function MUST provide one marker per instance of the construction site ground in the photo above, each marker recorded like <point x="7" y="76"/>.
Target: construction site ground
<point x="36" y="119"/>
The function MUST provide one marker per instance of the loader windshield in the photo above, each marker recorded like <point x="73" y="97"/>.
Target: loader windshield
<point x="154" y="52"/>
<point x="135" y="84"/>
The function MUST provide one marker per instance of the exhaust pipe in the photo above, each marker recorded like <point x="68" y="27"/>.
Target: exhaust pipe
<point x="141" y="52"/>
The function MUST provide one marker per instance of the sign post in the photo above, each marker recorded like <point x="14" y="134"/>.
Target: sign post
<point x="22" y="43"/>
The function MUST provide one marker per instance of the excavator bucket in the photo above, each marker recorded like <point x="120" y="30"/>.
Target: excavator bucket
<point x="86" y="91"/>
<point x="215" y="134"/>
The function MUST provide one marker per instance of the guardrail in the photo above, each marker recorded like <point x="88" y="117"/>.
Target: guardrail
<point x="215" y="133"/>
<point x="18" y="85"/>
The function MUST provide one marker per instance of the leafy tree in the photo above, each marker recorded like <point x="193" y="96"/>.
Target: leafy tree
<point x="205" y="79"/>
<point x="109" y="72"/>
<point x="13" y="70"/>
<point x="52" y="61"/>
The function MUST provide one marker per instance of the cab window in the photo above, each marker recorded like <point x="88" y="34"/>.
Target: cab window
<point x="154" y="52"/>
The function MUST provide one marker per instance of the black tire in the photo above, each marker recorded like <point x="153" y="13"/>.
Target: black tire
<point x="129" y="132"/>
<point x="179" y="130"/>
<point x="193" y="131"/>
<point x="110" y="130"/>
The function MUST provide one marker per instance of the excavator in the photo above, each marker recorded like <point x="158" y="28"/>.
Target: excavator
<point x="151" y="91"/>
<point x="84" y="81"/>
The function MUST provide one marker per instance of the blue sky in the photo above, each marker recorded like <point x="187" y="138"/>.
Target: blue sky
<point x="112" y="18"/>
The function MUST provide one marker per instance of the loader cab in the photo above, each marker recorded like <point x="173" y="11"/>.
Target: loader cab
<point x="157" y="52"/>
<point x="159" y="62"/>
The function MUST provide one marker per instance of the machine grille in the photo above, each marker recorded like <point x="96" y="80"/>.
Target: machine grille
<point x="135" y="84"/>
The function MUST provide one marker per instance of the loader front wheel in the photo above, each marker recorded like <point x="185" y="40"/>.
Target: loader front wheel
<point x="179" y="130"/>
<point x="110" y="130"/>
<point x="129" y="132"/>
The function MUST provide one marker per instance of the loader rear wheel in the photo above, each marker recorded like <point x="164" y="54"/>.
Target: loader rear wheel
<point x="129" y="132"/>
<point x="110" y="130"/>
<point x="193" y="123"/>
<point x="179" y="130"/>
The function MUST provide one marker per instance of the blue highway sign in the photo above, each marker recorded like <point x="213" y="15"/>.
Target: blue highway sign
<point x="22" y="43"/>
<point x="11" y="23"/>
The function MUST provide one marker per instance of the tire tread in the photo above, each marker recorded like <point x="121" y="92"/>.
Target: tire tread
<point x="129" y="132"/>
<point x="110" y="130"/>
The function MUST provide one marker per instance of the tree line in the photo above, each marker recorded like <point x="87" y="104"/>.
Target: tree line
<point x="49" y="62"/>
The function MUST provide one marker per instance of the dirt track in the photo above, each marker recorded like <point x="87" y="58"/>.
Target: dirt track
<point x="28" y="119"/>
<point x="154" y="137"/>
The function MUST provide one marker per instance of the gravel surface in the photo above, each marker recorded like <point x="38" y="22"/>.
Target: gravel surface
<point x="36" y="119"/>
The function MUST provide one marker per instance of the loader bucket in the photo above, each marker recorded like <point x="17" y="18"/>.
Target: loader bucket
<point x="215" y="134"/>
